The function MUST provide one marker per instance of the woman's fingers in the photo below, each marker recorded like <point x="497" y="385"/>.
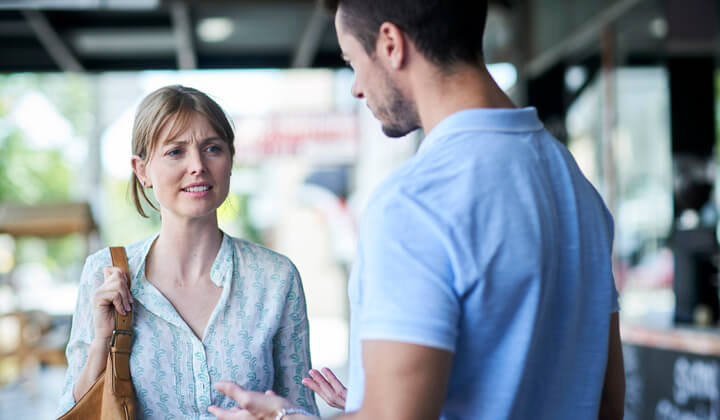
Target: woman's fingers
<point x="255" y="405"/>
<point x="111" y="296"/>
<point x="126" y="296"/>
<point x="233" y="413"/>
<point x="115" y="291"/>
<point x="335" y="382"/>
<point x="310" y="383"/>
<point x="335" y="397"/>
<point x="322" y="382"/>
<point x="108" y="299"/>
<point x="315" y="387"/>
<point x="119" y="304"/>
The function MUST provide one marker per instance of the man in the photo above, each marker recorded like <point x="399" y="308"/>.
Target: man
<point x="483" y="284"/>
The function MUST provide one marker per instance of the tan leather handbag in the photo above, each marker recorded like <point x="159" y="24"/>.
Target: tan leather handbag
<point x="112" y="396"/>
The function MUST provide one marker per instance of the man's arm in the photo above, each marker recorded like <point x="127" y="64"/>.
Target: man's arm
<point x="612" y="404"/>
<point x="403" y="381"/>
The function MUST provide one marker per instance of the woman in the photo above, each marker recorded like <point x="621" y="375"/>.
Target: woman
<point x="206" y="306"/>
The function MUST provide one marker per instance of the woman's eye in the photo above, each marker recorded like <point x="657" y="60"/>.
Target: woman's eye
<point x="174" y="152"/>
<point x="214" y="149"/>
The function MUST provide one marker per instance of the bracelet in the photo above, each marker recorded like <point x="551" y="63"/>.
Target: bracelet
<point x="285" y="411"/>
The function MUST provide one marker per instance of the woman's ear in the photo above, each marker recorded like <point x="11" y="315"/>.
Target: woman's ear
<point x="139" y="167"/>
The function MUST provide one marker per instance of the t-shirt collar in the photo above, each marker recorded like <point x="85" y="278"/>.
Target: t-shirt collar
<point x="484" y="119"/>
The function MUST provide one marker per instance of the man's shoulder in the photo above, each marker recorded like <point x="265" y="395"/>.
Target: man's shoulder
<point x="412" y="193"/>
<point x="456" y="157"/>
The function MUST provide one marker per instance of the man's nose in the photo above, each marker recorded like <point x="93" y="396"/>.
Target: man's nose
<point x="356" y="91"/>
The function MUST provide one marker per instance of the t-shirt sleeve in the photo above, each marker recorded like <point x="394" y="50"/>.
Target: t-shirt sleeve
<point x="407" y="288"/>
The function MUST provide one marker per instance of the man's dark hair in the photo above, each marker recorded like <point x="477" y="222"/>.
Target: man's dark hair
<point x="446" y="32"/>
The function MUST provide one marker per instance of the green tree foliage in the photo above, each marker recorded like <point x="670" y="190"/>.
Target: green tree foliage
<point x="32" y="175"/>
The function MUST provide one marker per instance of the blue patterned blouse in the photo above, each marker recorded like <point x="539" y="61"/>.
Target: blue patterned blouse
<point x="257" y="335"/>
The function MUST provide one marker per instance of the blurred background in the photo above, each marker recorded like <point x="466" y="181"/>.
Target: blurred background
<point x="630" y="86"/>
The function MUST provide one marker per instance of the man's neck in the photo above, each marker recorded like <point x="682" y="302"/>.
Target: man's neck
<point x="439" y="96"/>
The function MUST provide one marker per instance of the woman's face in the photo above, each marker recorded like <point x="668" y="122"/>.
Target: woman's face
<point x="189" y="173"/>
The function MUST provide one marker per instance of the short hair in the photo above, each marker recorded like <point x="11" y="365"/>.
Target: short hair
<point x="446" y="32"/>
<point x="153" y="114"/>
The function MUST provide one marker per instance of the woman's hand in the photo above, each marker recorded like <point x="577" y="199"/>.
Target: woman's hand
<point x="112" y="295"/>
<point x="331" y="389"/>
<point x="251" y="405"/>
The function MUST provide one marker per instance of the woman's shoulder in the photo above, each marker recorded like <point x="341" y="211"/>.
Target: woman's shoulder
<point x="97" y="261"/>
<point x="253" y="253"/>
<point x="103" y="254"/>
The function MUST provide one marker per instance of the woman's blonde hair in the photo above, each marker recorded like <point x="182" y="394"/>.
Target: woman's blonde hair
<point x="154" y="112"/>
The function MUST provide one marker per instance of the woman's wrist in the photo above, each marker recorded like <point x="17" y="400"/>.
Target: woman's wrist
<point x="293" y="414"/>
<point x="100" y="344"/>
<point x="94" y="366"/>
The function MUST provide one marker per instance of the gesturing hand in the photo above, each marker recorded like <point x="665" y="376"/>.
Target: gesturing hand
<point x="251" y="405"/>
<point x="329" y="389"/>
<point x="112" y="295"/>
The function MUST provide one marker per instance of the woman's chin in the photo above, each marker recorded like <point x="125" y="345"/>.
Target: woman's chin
<point x="207" y="212"/>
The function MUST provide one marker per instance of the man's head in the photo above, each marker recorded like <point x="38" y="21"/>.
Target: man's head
<point x="376" y="38"/>
<point x="445" y="32"/>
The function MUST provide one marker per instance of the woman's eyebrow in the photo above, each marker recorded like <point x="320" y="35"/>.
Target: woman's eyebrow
<point x="180" y="141"/>
<point x="169" y="142"/>
<point x="211" y="138"/>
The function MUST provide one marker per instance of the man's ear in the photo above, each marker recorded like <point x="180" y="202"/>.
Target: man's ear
<point x="139" y="167"/>
<point x="391" y="45"/>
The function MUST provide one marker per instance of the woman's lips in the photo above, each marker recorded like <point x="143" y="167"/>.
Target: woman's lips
<point x="197" y="190"/>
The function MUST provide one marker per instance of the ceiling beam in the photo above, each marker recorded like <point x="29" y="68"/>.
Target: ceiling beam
<point x="183" y="30"/>
<point x="78" y="5"/>
<point x="309" y="43"/>
<point x="51" y="41"/>
<point x="579" y="39"/>
<point x="243" y="2"/>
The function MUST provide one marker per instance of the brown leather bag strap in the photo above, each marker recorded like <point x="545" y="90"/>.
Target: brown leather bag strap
<point x="121" y="340"/>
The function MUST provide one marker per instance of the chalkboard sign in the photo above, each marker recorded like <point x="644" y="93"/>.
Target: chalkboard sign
<point x="670" y="385"/>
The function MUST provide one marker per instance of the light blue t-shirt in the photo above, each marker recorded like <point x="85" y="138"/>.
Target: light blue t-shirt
<point x="491" y="244"/>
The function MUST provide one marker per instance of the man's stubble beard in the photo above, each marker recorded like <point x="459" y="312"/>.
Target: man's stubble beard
<point x="399" y="116"/>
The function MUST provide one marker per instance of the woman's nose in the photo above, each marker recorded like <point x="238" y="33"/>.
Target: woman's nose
<point x="197" y="162"/>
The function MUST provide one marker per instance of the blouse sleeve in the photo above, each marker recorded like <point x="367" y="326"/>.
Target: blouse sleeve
<point x="82" y="332"/>
<point x="291" y="347"/>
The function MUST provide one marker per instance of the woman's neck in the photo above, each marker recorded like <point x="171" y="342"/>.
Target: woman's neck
<point x="184" y="252"/>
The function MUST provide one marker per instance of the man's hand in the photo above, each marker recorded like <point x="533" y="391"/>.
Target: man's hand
<point x="329" y="389"/>
<point x="251" y="405"/>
